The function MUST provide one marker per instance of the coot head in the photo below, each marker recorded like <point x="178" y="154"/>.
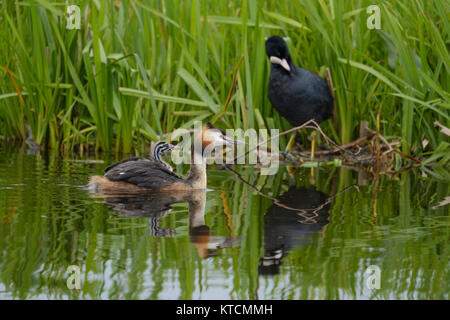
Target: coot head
<point x="278" y="52"/>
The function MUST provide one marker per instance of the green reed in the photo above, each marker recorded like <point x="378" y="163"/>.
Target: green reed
<point x="138" y="69"/>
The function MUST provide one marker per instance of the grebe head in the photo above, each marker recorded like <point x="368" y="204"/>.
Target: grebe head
<point x="158" y="151"/>
<point x="212" y="137"/>
<point x="161" y="147"/>
<point x="205" y="143"/>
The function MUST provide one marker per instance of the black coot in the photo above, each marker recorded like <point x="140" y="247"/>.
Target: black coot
<point x="297" y="94"/>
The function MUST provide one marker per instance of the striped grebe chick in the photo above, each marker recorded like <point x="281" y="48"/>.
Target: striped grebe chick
<point x="159" y="149"/>
<point x="137" y="174"/>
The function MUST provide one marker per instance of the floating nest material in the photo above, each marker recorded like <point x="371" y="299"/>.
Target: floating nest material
<point x="370" y="153"/>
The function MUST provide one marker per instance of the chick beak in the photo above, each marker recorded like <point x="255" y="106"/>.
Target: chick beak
<point x="282" y="62"/>
<point x="175" y="147"/>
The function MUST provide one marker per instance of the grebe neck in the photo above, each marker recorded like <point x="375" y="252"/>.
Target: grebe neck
<point x="197" y="172"/>
<point x="197" y="204"/>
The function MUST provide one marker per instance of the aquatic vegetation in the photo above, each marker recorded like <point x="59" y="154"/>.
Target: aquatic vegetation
<point x="138" y="69"/>
<point x="47" y="223"/>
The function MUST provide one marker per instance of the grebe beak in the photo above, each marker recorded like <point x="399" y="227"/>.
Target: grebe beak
<point x="232" y="142"/>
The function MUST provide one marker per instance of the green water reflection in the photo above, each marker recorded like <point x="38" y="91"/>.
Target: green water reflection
<point x="230" y="242"/>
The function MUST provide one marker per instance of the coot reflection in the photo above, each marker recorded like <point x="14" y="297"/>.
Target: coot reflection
<point x="292" y="223"/>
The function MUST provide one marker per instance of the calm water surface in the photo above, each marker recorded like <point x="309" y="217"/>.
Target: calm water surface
<point x="230" y="242"/>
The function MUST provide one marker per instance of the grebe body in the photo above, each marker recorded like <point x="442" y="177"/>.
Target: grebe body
<point x="141" y="174"/>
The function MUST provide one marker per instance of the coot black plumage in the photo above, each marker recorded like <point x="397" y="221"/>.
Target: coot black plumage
<point x="297" y="94"/>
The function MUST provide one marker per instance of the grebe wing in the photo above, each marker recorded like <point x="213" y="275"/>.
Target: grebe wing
<point x="142" y="172"/>
<point x="108" y="168"/>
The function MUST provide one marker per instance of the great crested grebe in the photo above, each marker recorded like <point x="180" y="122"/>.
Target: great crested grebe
<point x="299" y="95"/>
<point x="140" y="174"/>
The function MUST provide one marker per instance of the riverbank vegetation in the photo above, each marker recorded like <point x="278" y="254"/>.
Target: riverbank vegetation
<point x="138" y="69"/>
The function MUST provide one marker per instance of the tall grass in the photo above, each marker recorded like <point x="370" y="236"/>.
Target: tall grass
<point x="137" y="69"/>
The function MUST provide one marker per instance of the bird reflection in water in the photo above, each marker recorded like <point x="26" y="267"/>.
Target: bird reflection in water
<point x="156" y="205"/>
<point x="293" y="221"/>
